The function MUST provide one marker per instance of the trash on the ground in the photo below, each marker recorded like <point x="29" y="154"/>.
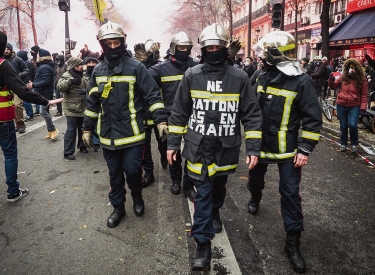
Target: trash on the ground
<point x="180" y="238"/>
<point x="187" y="230"/>
<point x="188" y="224"/>
<point x="52" y="191"/>
<point x="81" y="239"/>
<point x="95" y="172"/>
<point x="369" y="150"/>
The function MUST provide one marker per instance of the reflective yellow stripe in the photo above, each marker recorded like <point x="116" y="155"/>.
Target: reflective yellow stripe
<point x="282" y="141"/>
<point x="128" y="140"/>
<point x="93" y="90"/>
<point x="185" y="129"/>
<point x="105" y="141"/>
<point x="277" y="155"/>
<point x="214" y="96"/>
<point x="6" y="104"/>
<point x="310" y="135"/>
<point x="286" y="47"/>
<point x="195" y="167"/>
<point x="213" y="168"/>
<point x="100" y="79"/>
<point x="5" y="93"/>
<point x="116" y="78"/>
<point x="133" y="112"/>
<point x="155" y="106"/>
<point x="286" y="114"/>
<point x="260" y="89"/>
<point x="150" y="122"/>
<point x="253" y="134"/>
<point x="281" y="92"/>
<point x="91" y="114"/>
<point x="176" y="129"/>
<point x="171" y="78"/>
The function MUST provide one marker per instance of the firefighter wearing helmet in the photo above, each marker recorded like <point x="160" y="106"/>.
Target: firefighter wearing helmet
<point x="288" y="100"/>
<point x="119" y="93"/>
<point x="212" y="100"/>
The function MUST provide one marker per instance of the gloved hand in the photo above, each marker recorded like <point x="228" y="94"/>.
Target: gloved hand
<point x="163" y="130"/>
<point x="140" y="52"/>
<point x="362" y="113"/>
<point x="86" y="138"/>
<point x="76" y="81"/>
<point x="234" y="47"/>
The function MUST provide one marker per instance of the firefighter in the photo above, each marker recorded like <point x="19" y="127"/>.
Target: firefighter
<point x="212" y="100"/>
<point x="288" y="101"/>
<point x="168" y="75"/>
<point x="118" y="88"/>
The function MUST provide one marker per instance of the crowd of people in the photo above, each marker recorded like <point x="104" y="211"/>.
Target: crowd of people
<point x="113" y="101"/>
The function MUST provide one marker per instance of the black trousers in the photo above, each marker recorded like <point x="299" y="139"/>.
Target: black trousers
<point x="74" y="126"/>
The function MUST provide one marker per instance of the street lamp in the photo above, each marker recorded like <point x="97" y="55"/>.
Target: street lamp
<point x="64" y="5"/>
<point x="257" y="30"/>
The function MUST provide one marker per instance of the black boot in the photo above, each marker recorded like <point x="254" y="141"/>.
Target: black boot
<point x="164" y="162"/>
<point x="294" y="254"/>
<point x="148" y="178"/>
<point x="176" y="187"/>
<point x="138" y="204"/>
<point x="202" y="260"/>
<point x="189" y="192"/>
<point x="218" y="224"/>
<point x="116" y="216"/>
<point x="253" y="205"/>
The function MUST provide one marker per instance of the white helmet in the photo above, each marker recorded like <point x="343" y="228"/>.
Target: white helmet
<point x="111" y="30"/>
<point x="214" y="35"/>
<point x="180" y="38"/>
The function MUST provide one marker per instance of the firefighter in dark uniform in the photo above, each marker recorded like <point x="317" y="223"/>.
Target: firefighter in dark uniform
<point x="118" y="88"/>
<point x="212" y="100"/>
<point x="289" y="102"/>
<point x="168" y="75"/>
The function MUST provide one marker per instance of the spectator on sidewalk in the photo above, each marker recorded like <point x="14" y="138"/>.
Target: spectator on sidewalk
<point x="34" y="60"/>
<point x="318" y="75"/>
<point x="60" y="69"/>
<point x="305" y="64"/>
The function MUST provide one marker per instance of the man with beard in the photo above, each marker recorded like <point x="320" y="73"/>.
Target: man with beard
<point x="60" y="69"/>
<point x="34" y="58"/>
<point x="20" y="67"/>
<point x="212" y="100"/>
<point x="120" y="87"/>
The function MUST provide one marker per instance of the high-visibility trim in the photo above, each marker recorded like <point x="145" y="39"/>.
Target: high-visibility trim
<point x="310" y="135"/>
<point x="5" y="93"/>
<point x="214" y="96"/>
<point x="6" y="104"/>
<point x="91" y="114"/>
<point x="253" y="134"/>
<point x="129" y="140"/>
<point x="105" y="141"/>
<point x="116" y="78"/>
<point x="260" y="89"/>
<point x="213" y="168"/>
<point x="133" y="112"/>
<point x="100" y="79"/>
<point x="281" y="92"/>
<point x="286" y="47"/>
<point x="155" y="106"/>
<point x="93" y="90"/>
<point x="282" y="141"/>
<point x="150" y="122"/>
<point x="269" y="155"/>
<point x="176" y="129"/>
<point x="171" y="78"/>
<point x="286" y="114"/>
<point x="195" y="167"/>
<point x="185" y="129"/>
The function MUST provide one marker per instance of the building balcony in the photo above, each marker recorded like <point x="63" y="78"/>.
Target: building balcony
<point x="256" y="14"/>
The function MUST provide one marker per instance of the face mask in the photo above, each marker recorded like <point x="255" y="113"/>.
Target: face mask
<point x="182" y="55"/>
<point x="247" y="63"/>
<point x="80" y="73"/>
<point x="89" y="69"/>
<point x="215" y="58"/>
<point x="113" y="54"/>
<point x="351" y="71"/>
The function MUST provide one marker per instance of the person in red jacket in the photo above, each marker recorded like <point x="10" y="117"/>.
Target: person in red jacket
<point x="11" y="84"/>
<point x="351" y="101"/>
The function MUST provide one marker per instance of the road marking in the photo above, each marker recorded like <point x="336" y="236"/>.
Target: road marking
<point x="36" y="126"/>
<point x="221" y="246"/>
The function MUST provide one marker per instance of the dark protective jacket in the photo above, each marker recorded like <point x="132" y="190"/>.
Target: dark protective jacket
<point x="286" y="101"/>
<point x="168" y="75"/>
<point x="44" y="78"/>
<point x="116" y="101"/>
<point x="212" y="102"/>
<point x="319" y="75"/>
<point x="19" y="66"/>
<point x="30" y="66"/>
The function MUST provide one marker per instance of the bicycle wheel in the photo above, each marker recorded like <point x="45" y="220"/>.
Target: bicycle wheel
<point x="325" y="109"/>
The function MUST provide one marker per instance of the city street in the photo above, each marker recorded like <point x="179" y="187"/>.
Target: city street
<point x="60" y="227"/>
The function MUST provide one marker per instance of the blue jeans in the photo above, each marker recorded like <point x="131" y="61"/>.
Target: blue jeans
<point x="28" y="108"/>
<point x="290" y="177"/>
<point x="8" y="142"/>
<point x="348" y="116"/>
<point x="47" y="118"/>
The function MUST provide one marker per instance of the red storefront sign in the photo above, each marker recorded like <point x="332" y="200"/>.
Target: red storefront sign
<point x="357" y="5"/>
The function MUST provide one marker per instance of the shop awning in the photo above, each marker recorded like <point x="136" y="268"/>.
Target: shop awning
<point x="355" y="29"/>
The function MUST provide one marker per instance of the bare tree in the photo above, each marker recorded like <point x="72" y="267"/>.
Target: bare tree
<point x="324" y="21"/>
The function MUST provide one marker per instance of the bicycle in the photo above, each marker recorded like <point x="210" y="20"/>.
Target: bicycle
<point x="328" y="108"/>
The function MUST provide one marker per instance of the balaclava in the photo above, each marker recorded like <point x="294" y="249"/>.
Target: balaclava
<point x="215" y="58"/>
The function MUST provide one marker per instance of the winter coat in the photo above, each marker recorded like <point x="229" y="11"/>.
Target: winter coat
<point x="286" y="101"/>
<point x="30" y="66"/>
<point x="319" y="75"/>
<point x="44" y="78"/>
<point x="349" y="95"/>
<point x="19" y="66"/>
<point x="74" y="103"/>
<point x="213" y="102"/>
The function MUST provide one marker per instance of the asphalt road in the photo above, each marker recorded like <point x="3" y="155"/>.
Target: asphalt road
<point x="60" y="227"/>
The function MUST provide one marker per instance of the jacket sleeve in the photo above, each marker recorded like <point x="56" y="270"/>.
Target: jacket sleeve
<point x="16" y="85"/>
<point x="155" y="75"/>
<point x="311" y="113"/>
<point x="320" y="73"/>
<point x="24" y="70"/>
<point x="364" y="95"/>
<point x="64" y="84"/>
<point x="45" y="76"/>
<point x="151" y="94"/>
<point x="334" y="84"/>
<point x="180" y="113"/>
<point x="92" y="105"/>
<point x="370" y="61"/>
<point x="251" y="118"/>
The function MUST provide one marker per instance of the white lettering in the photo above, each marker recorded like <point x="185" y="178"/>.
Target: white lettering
<point x="223" y="118"/>
<point x="214" y="102"/>
<point x="199" y="105"/>
<point x="200" y="117"/>
<point x="218" y="86"/>
<point x="222" y="106"/>
<point x="231" y="118"/>
<point x="211" y="86"/>
<point x="211" y="130"/>
<point x="231" y="132"/>
<point x="231" y="106"/>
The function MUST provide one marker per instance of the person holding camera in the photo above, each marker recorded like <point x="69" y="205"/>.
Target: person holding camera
<point x="73" y="86"/>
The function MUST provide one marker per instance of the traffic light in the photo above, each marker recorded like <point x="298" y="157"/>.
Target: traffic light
<point x="277" y="15"/>
<point x="73" y="44"/>
<point x="64" y="5"/>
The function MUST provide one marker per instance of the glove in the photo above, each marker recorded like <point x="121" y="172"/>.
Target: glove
<point x="76" y="81"/>
<point x="234" y="47"/>
<point x="362" y="113"/>
<point x="86" y="138"/>
<point x="163" y="130"/>
<point x="140" y="52"/>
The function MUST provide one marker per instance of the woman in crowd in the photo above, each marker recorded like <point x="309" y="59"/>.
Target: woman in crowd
<point x="351" y="100"/>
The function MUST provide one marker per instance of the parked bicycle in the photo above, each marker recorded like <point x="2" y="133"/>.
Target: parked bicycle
<point x="328" y="107"/>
